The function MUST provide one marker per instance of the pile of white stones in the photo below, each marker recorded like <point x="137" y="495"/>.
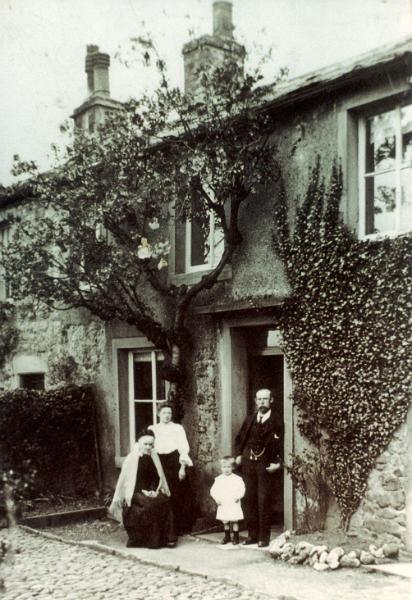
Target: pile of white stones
<point x="321" y="558"/>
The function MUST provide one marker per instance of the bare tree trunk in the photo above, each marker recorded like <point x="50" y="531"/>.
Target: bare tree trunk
<point x="174" y="394"/>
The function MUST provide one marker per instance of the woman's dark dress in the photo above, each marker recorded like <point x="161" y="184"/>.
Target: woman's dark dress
<point x="148" y="521"/>
<point x="180" y="492"/>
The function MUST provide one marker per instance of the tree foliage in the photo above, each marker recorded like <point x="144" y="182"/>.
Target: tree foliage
<point x="51" y="433"/>
<point x="96" y="233"/>
<point x="8" y="332"/>
<point x="347" y="335"/>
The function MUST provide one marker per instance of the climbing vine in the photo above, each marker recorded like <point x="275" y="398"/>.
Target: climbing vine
<point x="347" y="335"/>
<point x="8" y="332"/>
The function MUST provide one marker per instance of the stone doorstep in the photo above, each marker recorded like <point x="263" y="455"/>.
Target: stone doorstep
<point x="57" y="519"/>
<point x="400" y="569"/>
<point x="214" y="535"/>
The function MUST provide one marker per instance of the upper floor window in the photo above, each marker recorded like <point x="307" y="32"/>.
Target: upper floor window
<point x="87" y="260"/>
<point x="204" y="243"/>
<point x="199" y="242"/>
<point x="385" y="178"/>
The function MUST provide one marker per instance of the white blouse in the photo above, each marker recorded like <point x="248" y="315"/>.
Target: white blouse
<point x="170" y="437"/>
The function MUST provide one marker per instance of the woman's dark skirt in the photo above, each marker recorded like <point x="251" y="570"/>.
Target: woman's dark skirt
<point x="181" y="497"/>
<point x="149" y="521"/>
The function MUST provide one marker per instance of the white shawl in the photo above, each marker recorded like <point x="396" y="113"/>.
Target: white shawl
<point x="127" y="481"/>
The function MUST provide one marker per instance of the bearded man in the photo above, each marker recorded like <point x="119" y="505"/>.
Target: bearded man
<point x="258" y="450"/>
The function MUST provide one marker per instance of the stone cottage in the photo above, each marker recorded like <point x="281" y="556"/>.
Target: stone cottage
<point x="338" y="111"/>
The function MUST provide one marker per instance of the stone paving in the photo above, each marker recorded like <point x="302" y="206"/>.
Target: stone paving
<point x="46" y="568"/>
<point x="196" y="569"/>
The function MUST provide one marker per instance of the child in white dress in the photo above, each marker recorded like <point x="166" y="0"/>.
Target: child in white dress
<point x="227" y="491"/>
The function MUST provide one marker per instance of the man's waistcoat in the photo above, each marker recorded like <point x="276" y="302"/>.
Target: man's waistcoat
<point x="260" y="441"/>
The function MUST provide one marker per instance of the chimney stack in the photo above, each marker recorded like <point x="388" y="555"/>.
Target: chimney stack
<point x="92" y="112"/>
<point x="222" y="19"/>
<point x="209" y="51"/>
<point x="97" y="69"/>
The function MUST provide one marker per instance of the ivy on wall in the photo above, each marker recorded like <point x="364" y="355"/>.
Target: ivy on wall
<point x="8" y="332"/>
<point x="63" y="370"/>
<point x="347" y="335"/>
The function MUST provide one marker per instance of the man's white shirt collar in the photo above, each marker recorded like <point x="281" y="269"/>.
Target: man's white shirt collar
<point x="262" y="418"/>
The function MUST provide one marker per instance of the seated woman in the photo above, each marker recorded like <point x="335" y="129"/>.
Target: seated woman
<point x="173" y="449"/>
<point x="141" y="499"/>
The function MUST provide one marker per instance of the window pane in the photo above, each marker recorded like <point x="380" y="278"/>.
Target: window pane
<point x="180" y="246"/>
<point x="199" y="250"/>
<point x="380" y="142"/>
<point x="143" y="414"/>
<point x="32" y="381"/>
<point x="160" y="383"/>
<point x="218" y="243"/>
<point x="406" y="125"/>
<point x="142" y="373"/>
<point x="158" y="405"/>
<point x="380" y="203"/>
<point x="406" y="204"/>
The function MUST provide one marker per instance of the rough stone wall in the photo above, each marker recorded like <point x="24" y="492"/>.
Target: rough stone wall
<point x="62" y="334"/>
<point x="382" y="514"/>
<point x="202" y="413"/>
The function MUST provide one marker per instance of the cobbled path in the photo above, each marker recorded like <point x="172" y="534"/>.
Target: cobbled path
<point x="45" y="568"/>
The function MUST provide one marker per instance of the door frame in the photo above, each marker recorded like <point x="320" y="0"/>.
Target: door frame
<point x="227" y="398"/>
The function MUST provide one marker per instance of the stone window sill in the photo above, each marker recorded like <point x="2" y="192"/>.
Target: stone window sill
<point x="195" y="277"/>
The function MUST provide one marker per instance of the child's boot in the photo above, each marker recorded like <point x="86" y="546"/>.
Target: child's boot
<point x="235" y="538"/>
<point x="226" y="539"/>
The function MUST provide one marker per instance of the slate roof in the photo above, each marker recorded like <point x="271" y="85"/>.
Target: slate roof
<point x="340" y="74"/>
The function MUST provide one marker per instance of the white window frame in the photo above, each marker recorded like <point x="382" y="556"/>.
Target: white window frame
<point x="210" y="264"/>
<point x="399" y="166"/>
<point x="154" y="401"/>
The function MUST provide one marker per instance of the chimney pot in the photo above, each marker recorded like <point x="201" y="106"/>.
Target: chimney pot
<point x="222" y="19"/>
<point x="97" y="69"/>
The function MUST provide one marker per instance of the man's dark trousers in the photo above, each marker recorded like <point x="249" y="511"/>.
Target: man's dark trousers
<point x="257" y="500"/>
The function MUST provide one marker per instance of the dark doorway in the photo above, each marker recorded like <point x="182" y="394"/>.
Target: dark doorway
<point x="265" y="370"/>
<point x="32" y="381"/>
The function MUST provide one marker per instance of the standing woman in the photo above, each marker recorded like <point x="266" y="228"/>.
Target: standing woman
<point x="173" y="449"/>
<point x="141" y="500"/>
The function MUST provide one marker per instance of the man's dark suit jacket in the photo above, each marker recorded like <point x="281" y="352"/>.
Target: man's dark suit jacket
<point x="272" y="436"/>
